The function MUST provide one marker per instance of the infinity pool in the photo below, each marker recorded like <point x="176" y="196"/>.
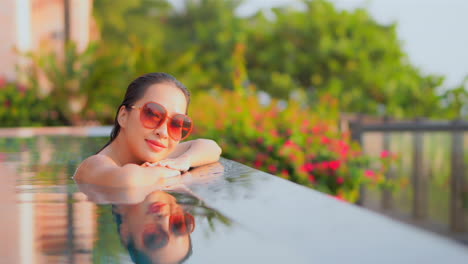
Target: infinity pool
<point x="221" y="213"/>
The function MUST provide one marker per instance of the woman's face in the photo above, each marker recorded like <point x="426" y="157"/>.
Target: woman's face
<point x="151" y="218"/>
<point x="151" y="145"/>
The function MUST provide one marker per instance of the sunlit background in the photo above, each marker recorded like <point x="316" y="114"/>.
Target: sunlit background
<point x="278" y="84"/>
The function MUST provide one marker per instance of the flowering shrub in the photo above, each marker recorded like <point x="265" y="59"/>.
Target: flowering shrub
<point x="299" y="143"/>
<point x="21" y="106"/>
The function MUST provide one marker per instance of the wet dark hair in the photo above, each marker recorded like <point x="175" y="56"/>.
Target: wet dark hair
<point x="138" y="256"/>
<point x="137" y="89"/>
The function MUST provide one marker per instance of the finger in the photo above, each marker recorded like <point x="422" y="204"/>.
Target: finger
<point x="162" y="163"/>
<point x="174" y="173"/>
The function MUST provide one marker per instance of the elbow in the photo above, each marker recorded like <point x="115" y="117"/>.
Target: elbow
<point x="215" y="149"/>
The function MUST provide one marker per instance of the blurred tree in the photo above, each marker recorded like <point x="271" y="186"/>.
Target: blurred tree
<point x="346" y="54"/>
<point x="315" y="51"/>
<point x="456" y="101"/>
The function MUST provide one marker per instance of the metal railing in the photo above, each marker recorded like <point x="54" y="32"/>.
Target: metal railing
<point x="419" y="178"/>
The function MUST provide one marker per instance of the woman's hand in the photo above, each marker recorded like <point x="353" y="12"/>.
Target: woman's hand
<point x="181" y="163"/>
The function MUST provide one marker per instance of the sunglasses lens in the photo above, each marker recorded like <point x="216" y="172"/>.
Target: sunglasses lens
<point x="180" y="127"/>
<point x="152" y="115"/>
<point x="181" y="224"/>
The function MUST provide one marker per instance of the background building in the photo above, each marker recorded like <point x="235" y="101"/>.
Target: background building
<point x="41" y="25"/>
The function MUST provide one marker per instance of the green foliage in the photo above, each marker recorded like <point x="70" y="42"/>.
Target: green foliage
<point x="318" y="49"/>
<point x="289" y="141"/>
<point x="21" y="106"/>
<point x="345" y="54"/>
<point x="456" y="102"/>
<point x="83" y="86"/>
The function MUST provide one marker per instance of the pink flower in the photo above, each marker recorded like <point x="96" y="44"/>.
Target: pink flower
<point x="258" y="163"/>
<point x="370" y="174"/>
<point x="309" y="167"/>
<point x="3" y="82"/>
<point x="22" y="88"/>
<point x="316" y="129"/>
<point x="274" y="133"/>
<point x="340" y="180"/>
<point x="385" y="154"/>
<point x="326" y="140"/>
<point x="312" y="178"/>
<point x="285" y="172"/>
<point x="289" y="143"/>
<point x="272" y="168"/>
<point x="334" y="165"/>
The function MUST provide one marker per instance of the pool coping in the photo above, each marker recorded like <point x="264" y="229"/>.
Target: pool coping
<point x="23" y="132"/>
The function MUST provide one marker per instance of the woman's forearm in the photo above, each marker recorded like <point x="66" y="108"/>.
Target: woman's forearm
<point x="201" y="152"/>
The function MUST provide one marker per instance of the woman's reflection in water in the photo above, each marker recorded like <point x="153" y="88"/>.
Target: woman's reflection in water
<point x="156" y="230"/>
<point x="155" y="225"/>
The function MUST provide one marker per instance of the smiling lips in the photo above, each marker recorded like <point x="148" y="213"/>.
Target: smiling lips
<point x="155" y="145"/>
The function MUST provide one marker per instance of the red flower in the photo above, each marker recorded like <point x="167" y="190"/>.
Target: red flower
<point x="334" y="165"/>
<point x="312" y="178"/>
<point x="272" y="168"/>
<point x="21" y="88"/>
<point x="3" y="82"/>
<point x="340" y="180"/>
<point x="270" y="148"/>
<point x="326" y="140"/>
<point x="274" y="133"/>
<point x="7" y="104"/>
<point x="316" y="129"/>
<point x="258" y="163"/>
<point x="259" y="140"/>
<point x="385" y="154"/>
<point x="370" y="174"/>
<point x="289" y="143"/>
<point x="285" y="172"/>
<point x="309" y="167"/>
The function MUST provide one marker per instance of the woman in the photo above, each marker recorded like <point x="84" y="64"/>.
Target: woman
<point x="156" y="230"/>
<point x="144" y="145"/>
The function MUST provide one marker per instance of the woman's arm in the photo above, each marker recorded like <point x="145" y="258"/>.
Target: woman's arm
<point x="101" y="170"/>
<point x="192" y="153"/>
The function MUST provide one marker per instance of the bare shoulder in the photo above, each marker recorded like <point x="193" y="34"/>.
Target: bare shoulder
<point x="93" y="166"/>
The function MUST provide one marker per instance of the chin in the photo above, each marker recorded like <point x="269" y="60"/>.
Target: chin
<point x="155" y="157"/>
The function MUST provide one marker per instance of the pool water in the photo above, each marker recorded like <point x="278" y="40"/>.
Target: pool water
<point x="221" y="213"/>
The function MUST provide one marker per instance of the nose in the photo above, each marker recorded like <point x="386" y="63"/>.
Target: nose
<point x="162" y="130"/>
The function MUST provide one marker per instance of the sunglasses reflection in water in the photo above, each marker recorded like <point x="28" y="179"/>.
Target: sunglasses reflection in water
<point x="158" y="229"/>
<point x="155" y="224"/>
